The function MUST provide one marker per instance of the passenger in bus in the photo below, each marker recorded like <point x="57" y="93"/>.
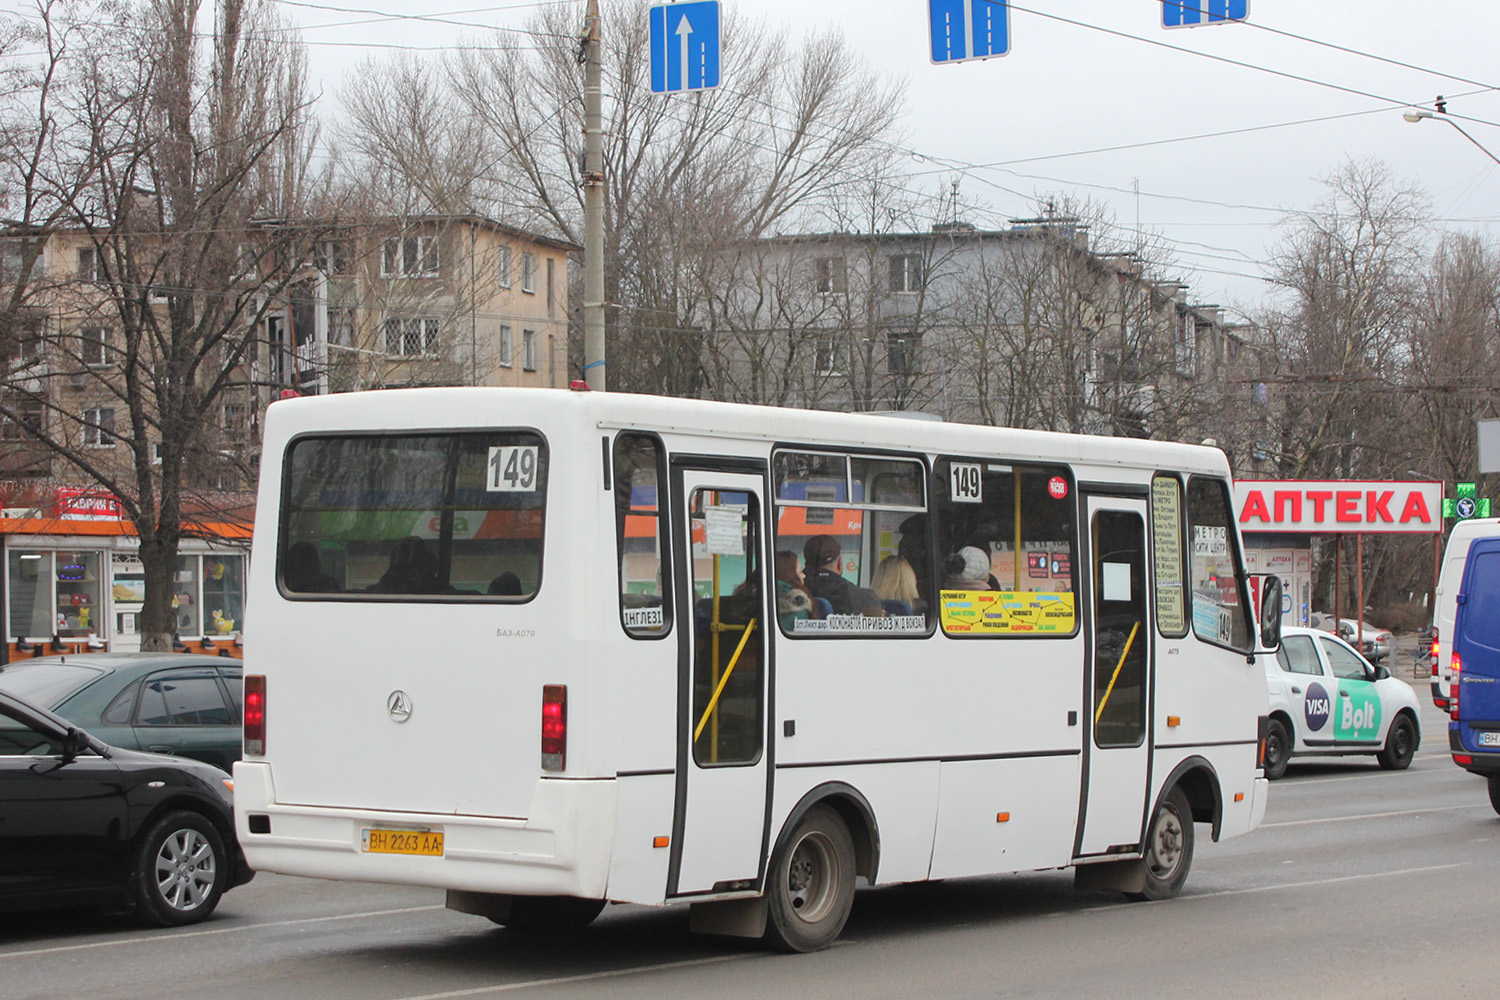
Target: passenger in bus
<point x="413" y="570"/>
<point x="895" y="583"/>
<point x="507" y="584"/>
<point x="821" y="556"/>
<point x="968" y="569"/>
<point x="303" y="571"/>
<point x="793" y="602"/>
<point x="913" y="548"/>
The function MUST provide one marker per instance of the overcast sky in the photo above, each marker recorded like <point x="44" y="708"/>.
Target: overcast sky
<point x="1086" y="77"/>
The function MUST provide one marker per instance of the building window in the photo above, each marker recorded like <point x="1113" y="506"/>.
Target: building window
<point x="88" y="264"/>
<point x="332" y="258"/>
<point x="341" y="327"/>
<point x="502" y="267"/>
<point x="831" y="275"/>
<point x="905" y="273"/>
<point x="99" y="427"/>
<point x="93" y="346"/>
<point x="410" y="337"/>
<point x="409" y="257"/>
<point x="528" y="273"/>
<point x="899" y="351"/>
<point x="28" y="418"/>
<point x="551" y="307"/>
<point x="236" y="419"/>
<point x="528" y="350"/>
<point x="505" y="345"/>
<point x="829" y="357"/>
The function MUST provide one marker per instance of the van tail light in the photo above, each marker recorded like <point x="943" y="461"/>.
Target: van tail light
<point x="255" y="715"/>
<point x="554" y="727"/>
<point x="1457" y="668"/>
<point x="1434" y="652"/>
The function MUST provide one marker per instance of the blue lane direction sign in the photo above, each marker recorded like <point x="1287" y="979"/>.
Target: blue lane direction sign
<point x="968" y="29"/>
<point x="685" y="46"/>
<point x="1195" y="13"/>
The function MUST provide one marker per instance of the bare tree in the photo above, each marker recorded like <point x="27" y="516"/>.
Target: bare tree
<point x="689" y="176"/>
<point x="178" y="154"/>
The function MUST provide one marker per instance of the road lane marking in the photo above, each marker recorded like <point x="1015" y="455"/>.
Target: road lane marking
<point x="1380" y="815"/>
<point x="585" y="977"/>
<point x="1320" y="881"/>
<point x="207" y="932"/>
<point x="1214" y="894"/>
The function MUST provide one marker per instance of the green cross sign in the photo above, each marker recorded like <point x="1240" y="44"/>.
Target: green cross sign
<point x="1465" y="504"/>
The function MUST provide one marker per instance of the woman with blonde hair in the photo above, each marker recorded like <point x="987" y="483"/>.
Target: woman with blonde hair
<point x="895" y="580"/>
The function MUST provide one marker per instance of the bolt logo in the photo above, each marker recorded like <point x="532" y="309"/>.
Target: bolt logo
<point x="1359" y="714"/>
<point x="1317" y="709"/>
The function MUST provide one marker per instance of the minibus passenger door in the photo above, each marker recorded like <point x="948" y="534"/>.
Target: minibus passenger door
<point x="719" y="823"/>
<point x="1117" y="755"/>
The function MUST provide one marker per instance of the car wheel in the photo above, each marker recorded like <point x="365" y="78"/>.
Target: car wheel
<point x="550" y="914"/>
<point x="180" y="870"/>
<point x="1400" y="745"/>
<point x="1169" y="848"/>
<point x="810" y="888"/>
<point x="1278" y="749"/>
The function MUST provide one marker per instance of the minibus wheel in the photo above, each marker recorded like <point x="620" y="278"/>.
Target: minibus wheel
<point x="1494" y="782"/>
<point x="810" y="886"/>
<point x="1169" y="848"/>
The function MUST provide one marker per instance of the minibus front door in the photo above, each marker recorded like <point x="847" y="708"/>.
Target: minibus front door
<point x="723" y="773"/>
<point x="1117" y="756"/>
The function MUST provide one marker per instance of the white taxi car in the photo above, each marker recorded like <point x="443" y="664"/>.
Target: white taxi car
<point x="1327" y="699"/>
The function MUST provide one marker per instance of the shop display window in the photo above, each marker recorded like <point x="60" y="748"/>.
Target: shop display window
<point x="54" y="593"/>
<point x="185" y="596"/>
<point x="223" y="594"/>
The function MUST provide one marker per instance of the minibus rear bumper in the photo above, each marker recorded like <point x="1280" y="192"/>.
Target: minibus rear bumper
<point x="562" y="846"/>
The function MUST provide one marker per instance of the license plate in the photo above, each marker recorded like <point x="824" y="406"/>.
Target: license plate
<point x="1487" y="739"/>
<point x="420" y="842"/>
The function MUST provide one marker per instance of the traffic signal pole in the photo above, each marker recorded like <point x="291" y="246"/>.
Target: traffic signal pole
<point x="593" y="203"/>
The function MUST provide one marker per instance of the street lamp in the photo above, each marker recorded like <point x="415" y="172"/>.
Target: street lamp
<point x="1415" y="115"/>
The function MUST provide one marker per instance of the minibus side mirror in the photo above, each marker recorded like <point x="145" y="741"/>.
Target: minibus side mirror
<point x="1270" y="613"/>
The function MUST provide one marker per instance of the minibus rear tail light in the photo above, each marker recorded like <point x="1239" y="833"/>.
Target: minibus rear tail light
<point x="1457" y="668"/>
<point x="554" y="727"/>
<point x="255" y="715"/>
<point x="1434" y="652"/>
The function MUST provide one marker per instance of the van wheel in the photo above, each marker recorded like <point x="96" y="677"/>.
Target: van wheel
<point x="550" y="914"/>
<point x="810" y="887"/>
<point x="1400" y="745"/>
<point x="1278" y="749"/>
<point x="1494" y="781"/>
<point x="1169" y="848"/>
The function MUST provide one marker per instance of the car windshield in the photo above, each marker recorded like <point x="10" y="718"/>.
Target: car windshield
<point x="49" y="684"/>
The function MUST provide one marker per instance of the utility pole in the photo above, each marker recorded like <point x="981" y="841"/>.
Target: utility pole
<point x="593" y="203"/>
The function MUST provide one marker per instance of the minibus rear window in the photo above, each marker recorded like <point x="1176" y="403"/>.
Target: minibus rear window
<point x="429" y="516"/>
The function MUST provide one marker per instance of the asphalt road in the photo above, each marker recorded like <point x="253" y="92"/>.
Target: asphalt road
<point x="1360" y="883"/>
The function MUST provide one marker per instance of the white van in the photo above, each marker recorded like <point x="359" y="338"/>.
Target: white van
<point x="1445" y="602"/>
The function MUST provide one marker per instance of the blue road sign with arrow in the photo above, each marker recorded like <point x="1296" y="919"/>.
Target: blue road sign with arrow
<point x="685" y="46"/>
<point x="968" y="29"/>
<point x="1193" y="13"/>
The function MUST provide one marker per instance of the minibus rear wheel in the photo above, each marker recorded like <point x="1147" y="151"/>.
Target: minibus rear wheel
<point x="810" y="888"/>
<point x="1494" y="781"/>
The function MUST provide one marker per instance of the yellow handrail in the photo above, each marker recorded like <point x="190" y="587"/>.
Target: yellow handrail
<point x="714" y="701"/>
<point x="1126" y="652"/>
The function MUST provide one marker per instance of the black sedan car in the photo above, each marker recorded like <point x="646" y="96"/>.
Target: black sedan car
<point x="86" y="824"/>
<point x="184" y="704"/>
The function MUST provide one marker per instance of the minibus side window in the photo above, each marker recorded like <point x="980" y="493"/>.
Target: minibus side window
<point x="641" y="534"/>
<point x="1220" y="614"/>
<point x="1170" y="573"/>
<point x="1007" y="550"/>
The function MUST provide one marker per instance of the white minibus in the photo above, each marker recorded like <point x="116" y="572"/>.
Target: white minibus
<point x="551" y="649"/>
